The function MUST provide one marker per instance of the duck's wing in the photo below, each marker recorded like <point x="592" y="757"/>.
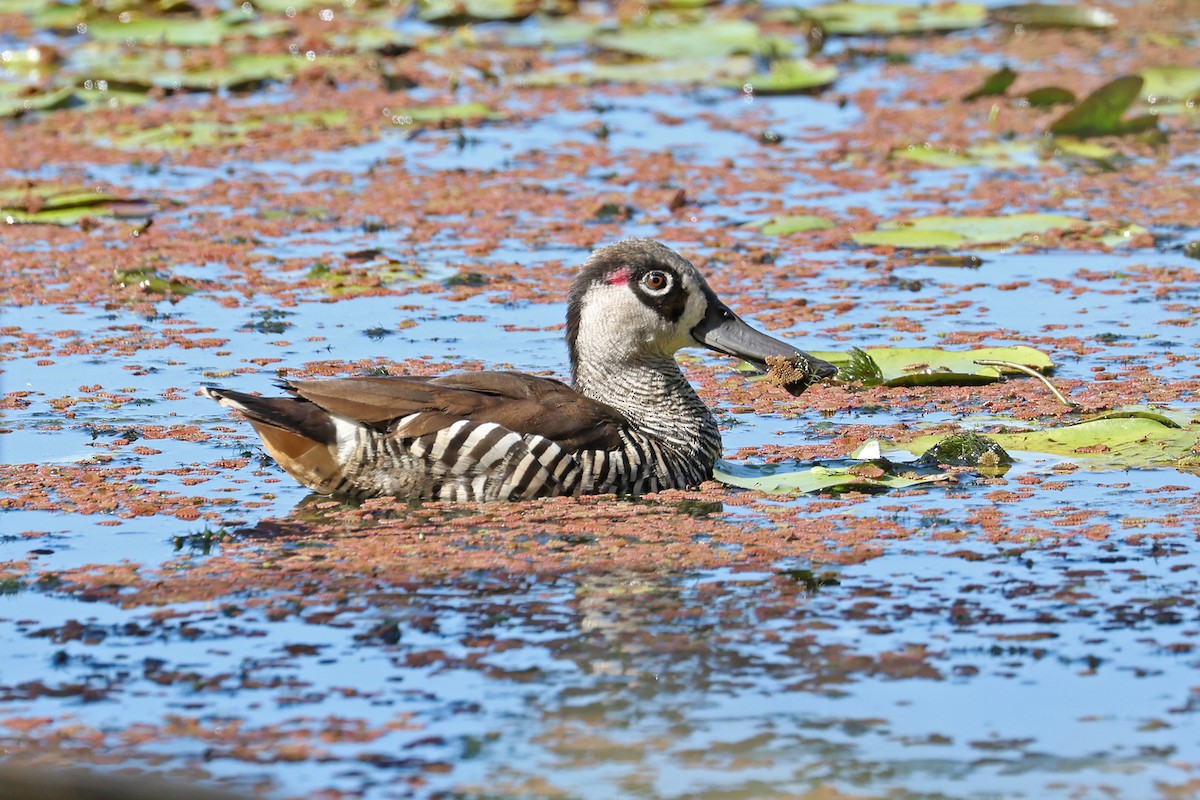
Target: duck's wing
<point x="521" y="403"/>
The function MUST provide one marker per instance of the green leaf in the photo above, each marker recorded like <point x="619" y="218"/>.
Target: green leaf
<point x="768" y="478"/>
<point x="460" y="12"/>
<point x="452" y="113"/>
<point x="950" y="232"/>
<point x="783" y="225"/>
<point x="1170" y="84"/>
<point x="887" y="18"/>
<point x="933" y="366"/>
<point x="204" y="131"/>
<point x="794" y="76"/>
<point x="1112" y="443"/>
<point x="935" y="156"/>
<point x="1047" y="96"/>
<point x="55" y="205"/>
<point x="14" y="104"/>
<point x="552" y="32"/>
<point x="993" y="85"/>
<point x="151" y="282"/>
<point x="1008" y="154"/>
<point x="708" y="39"/>
<point x="1037" y="15"/>
<point x="178" y="30"/>
<point x="683" y="71"/>
<point x="1101" y="112"/>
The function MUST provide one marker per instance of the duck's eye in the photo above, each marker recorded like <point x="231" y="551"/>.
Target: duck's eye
<point x="656" y="282"/>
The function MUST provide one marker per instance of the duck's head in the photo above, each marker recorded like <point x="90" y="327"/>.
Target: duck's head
<point x="638" y="300"/>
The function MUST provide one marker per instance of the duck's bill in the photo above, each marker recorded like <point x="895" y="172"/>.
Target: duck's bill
<point x="725" y="332"/>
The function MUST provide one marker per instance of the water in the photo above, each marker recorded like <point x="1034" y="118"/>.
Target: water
<point x="169" y="601"/>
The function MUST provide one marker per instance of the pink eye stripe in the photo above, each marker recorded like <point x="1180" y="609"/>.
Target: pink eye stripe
<point x="619" y="277"/>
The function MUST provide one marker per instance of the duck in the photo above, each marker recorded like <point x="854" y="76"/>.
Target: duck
<point x="629" y="423"/>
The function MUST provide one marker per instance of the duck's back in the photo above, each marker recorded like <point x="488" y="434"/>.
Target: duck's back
<point x="474" y="436"/>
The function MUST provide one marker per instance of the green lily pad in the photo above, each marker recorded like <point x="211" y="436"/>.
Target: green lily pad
<point x="951" y="232"/>
<point x="1048" y="96"/>
<point x="451" y="115"/>
<point x="795" y="223"/>
<point x="1112" y="443"/>
<point x="683" y="71"/>
<point x="151" y="281"/>
<point x="936" y="156"/>
<point x="52" y="205"/>
<point x="147" y="70"/>
<point x="860" y="19"/>
<point x="461" y="12"/>
<point x="1101" y="112"/>
<point x="710" y="39"/>
<point x="1170" y="84"/>
<point x="1008" y="154"/>
<point x="1038" y="15"/>
<point x="862" y="478"/>
<point x="794" y="76"/>
<point x="552" y="32"/>
<point x="14" y="103"/>
<point x="933" y="366"/>
<point x="993" y="85"/>
<point x="361" y="278"/>
<point x="201" y="132"/>
<point x="373" y="39"/>
<point x="178" y="30"/>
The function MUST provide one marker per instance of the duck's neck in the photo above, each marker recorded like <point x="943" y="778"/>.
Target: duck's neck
<point x="653" y="394"/>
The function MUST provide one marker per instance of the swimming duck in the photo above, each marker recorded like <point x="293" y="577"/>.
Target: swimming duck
<point x="629" y="423"/>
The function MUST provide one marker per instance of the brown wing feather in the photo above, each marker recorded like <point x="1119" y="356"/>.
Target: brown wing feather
<point x="522" y="403"/>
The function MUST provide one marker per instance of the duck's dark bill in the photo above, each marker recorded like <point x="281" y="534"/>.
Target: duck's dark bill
<point x="724" y="331"/>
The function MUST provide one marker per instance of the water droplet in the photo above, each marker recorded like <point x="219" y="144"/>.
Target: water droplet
<point x="326" y="15"/>
<point x="310" y="55"/>
<point x="290" y="11"/>
<point x="81" y="27"/>
<point x="124" y="17"/>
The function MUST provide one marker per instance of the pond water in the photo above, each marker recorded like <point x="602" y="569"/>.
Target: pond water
<point x="170" y="602"/>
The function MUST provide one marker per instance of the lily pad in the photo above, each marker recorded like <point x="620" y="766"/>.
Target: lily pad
<point x="993" y="85"/>
<point x="1170" y="84"/>
<point x="886" y="18"/>
<point x="177" y="30"/>
<point x="450" y="115"/>
<point x="150" y="281"/>
<point x="14" y="101"/>
<point x="794" y="76"/>
<point x="50" y="205"/>
<point x="361" y="278"/>
<point x="933" y="366"/>
<point x="1101" y="112"/>
<point x="951" y="232"/>
<point x="1048" y="96"/>
<point x="237" y="73"/>
<point x="201" y="132"/>
<point x="460" y="12"/>
<point x="1008" y="154"/>
<point x="936" y="156"/>
<point x="871" y="477"/>
<point x="708" y="39"/>
<point x="794" y="223"/>
<point x="1039" y="15"/>
<point x="683" y="71"/>
<point x="1112" y="443"/>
